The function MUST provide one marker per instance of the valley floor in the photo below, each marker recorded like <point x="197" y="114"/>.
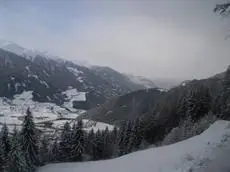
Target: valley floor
<point x="208" y="152"/>
<point x="13" y="111"/>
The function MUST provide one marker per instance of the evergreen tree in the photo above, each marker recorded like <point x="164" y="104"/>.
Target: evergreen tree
<point x="107" y="144"/>
<point x="65" y="144"/>
<point x="77" y="142"/>
<point x="17" y="161"/>
<point x="121" y="136"/>
<point x="44" y="150"/>
<point x="225" y="97"/>
<point x="136" y="136"/>
<point x="98" y="146"/>
<point x="114" y="141"/>
<point x="53" y="151"/>
<point x="226" y="81"/>
<point x="1" y="160"/>
<point x="4" y="142"/>
<point x="90" y="142"/>
<point x="125" y="138"/>
<point x="198" y="103"/>
<point x="29" y="139"/>
<point x="132" y="138"/>
<point x="114" y="135"/>
<point x="182" y="105"/>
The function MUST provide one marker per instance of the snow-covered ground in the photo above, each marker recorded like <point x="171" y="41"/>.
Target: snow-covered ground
<point x="208" y="152"/>
<point x="47" y="116"/>
<point x="89" y="125"/>
<point x="73" y="95"/>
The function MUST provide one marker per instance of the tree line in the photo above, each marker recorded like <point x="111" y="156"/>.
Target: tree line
<point x="27" y="149"/>
<point x="184" y="112"/>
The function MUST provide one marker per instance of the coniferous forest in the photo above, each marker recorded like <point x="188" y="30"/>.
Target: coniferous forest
<point x="184" y="112"/>
<point x="27" y="149"/>
<point x="163" y="118"/>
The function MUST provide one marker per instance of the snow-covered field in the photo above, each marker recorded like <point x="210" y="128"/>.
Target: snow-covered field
<point x="73" y="95"/>
<point x="47" y="116"/>
<point x="208" y="152"/>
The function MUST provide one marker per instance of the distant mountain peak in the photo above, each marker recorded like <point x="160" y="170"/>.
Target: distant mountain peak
<point x="30" y="54"/>
<point x="17" y="49"/>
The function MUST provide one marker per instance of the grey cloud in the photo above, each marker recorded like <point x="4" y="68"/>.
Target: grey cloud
<point x="158" y="39"/>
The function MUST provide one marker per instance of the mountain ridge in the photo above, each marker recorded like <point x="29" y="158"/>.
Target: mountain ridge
<point x="47" y="77"/>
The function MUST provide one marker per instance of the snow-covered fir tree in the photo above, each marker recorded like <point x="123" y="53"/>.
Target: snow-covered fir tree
<point x="44" y="149"/>
<point x="198" y="102"/>
<point x="65" y="144"/>
<point x="90" y="141"/>
<point x="5" y="141"/>
<point x="121" y="137"/>
<point x="114" y="135"/>
<point x="77" y="141"/>
<point x="107" y="144"/>
<point x="98" y="146"/>
<point x="29" y="140"/>
<point x="114" y="141"/>
<point x="54" y="151"/>
<point x="132" y="138"/>
<point x="135" y="137"/>
<point x="17" y="161"/>
<point x="225" y="103"/>
<point x="125" y="134"/>
<point x="1" y="160"/>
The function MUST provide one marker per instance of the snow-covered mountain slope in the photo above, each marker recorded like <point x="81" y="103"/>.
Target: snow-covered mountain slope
<point x="119" y="80"/>
<point x="48" y="77"/>
<point x="197" y="154"/>
<point x="19" y="50"/>
<point x="142" y="81"/>
<point x="29" y="54"/>
<point x="126" y="107"/>
<point x="48" y="117"/>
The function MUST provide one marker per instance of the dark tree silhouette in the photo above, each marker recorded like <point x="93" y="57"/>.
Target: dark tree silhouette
<point x="4" y="144"/>
<point x="17" y="161"/>
<point x="65" y="144"/>
<point x="29" y="139"/>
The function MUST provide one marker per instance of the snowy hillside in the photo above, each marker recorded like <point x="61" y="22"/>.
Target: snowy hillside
<point x="205" y="152"/>
<point x="17" y="49"/>
<point x="47" y="116"/>
<point x="48" y="76"/>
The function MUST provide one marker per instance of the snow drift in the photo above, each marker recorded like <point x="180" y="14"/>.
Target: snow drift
<point x="205" y="152"/>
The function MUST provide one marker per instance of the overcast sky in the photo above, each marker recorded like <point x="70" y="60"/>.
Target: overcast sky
<point x="178" y="39"/>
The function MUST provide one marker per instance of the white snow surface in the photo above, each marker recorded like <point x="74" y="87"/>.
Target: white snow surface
<point x="89" y="125"/>
<point x="72" y="95"/>
<point x="76" y="73"/>
<point x="208" y="152"/>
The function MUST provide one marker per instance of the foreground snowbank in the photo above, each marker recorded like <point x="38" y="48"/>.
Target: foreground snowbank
<point x="206" y="152"/>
